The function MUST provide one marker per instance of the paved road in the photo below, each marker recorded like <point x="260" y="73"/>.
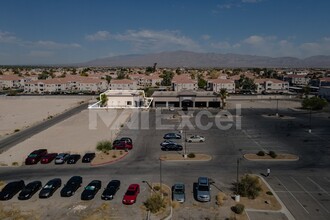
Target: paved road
<point x="225" y="146"/>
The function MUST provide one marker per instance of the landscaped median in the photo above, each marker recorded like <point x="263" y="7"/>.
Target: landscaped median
<point x="108" y="157"/>
<point x="271" y="157"/>
<point x="190" y="157"/>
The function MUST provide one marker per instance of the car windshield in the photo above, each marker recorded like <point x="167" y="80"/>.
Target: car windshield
<point x="47" y="186"/>
<point x="130" y="193"/>
<point x="178" y="191"/>
<point x="32" y="155"/>
<point x="203" y="188"/>
<point x="90" y="188"/>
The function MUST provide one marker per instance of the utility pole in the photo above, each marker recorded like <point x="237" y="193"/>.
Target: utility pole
<point x="277" y="107"/>
<point x="237" y="196"/>
<point x="160" y="176"/>
<point x="185" y="144"/>
<point x="310" y="120"/>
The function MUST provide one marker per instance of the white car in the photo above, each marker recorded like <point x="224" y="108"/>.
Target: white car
<point x="195" y="138"/>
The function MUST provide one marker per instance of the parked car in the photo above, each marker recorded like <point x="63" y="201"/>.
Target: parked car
<point x="172" y="136"/>
<point x="166" y="142"/>
<point x="71" y="186"/>
<point x="203" y="189"/>
<point x="48" y="158"/>
<point x="73" y="158"/>
<point x="131" y="194"/>
<point x="91" y="189"/>
<point x="126" y="139"/>
<point x="62" y="158"/>
<point x="122" y="145"/>
<point x="178" y="192"/>
<point x="88" y="157"/>
<point x="11" y="189"/>
<point x="111" y="189"/>
<point x="195" y="138"/>
<point x="29" y="190"/>
<point x="172" y="147"/>
<point x="50" y="187"/>
<point x="35" y="156"/>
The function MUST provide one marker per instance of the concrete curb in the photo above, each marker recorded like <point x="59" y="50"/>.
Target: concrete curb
<point x="273" y="160"/>
<point x="109" y="162"/>
<point x="187" y="159"/>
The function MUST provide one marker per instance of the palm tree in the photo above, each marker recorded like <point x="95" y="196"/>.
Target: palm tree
<point x="104" y="100"/>
<point x="223" y="94"/>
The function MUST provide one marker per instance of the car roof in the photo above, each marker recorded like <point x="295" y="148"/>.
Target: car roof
<point x="133" y="186"/>
<point x="203" y="180"/>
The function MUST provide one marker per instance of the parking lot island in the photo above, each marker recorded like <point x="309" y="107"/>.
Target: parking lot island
<point x="266" y="157"/>
<point x="180" y="157"/>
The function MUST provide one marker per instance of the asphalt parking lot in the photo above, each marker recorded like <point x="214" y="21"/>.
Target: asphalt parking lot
<point x="225" y="146"/>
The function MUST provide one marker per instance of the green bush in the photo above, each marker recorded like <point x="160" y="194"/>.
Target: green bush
<point x="272" y="154"/>
<point x="155" y="203"/>
<point x="191" y="155"/>
<point x="261" y="153"/>
<point x="238" y="209"/>
<point x="104" y="146"/>
<point x="269" y="193"/>
<point x="314" y="103"/>
<point x="249" y="186"/>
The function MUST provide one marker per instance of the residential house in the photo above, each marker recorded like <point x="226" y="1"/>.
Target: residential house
<point x="184" y="82"/>
<point x="271" y="86"/>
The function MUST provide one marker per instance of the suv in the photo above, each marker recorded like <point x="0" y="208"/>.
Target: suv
<point x="203" y="190"/>
<point x="35" y="156"/>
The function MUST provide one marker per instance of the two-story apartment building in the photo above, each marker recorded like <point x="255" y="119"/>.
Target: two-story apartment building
<point x="271" y="86"/>
<point x="123" y="84"/>
<point x="216" y="85"/>
<point x="11" y="81"/>
<point x="184" y="82"/>
<point x="297" y="79"/>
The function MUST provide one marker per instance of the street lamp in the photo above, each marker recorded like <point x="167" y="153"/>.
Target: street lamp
<point x="185" y="144"/>
<point x="310" y="120"/>
<point x="237" y="197"/>
<point x="160" y="176"/>
<point x="145" y="181"/>
<point x="276" y="107"/>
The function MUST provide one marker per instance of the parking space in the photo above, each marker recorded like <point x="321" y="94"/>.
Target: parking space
<point x="306" y="197"/>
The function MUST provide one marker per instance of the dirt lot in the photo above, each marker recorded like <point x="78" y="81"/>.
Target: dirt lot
<point x="19" y="112"/>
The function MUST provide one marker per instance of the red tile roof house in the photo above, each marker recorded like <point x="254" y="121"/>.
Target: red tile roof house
<point x="11" y="81"/>
<point x="271" y="86"/>
<point x="184" y="82"/>
<point x="123" y="84"/>
<point x="216" y="85"/>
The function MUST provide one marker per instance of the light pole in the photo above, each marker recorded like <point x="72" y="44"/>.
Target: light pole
<point x="145" y="181"/>
<point x="237" y="197"/>
<point x="160" y="176"/>
<point x="185" y="144"/>
<point x="276" y="107"/>
<point x="310" y="120"/>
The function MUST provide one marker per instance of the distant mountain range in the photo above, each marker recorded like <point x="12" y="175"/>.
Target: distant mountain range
<point x="206" y="60"/>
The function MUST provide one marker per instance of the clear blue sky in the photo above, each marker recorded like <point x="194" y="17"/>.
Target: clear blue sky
<point x="68" y="31"/>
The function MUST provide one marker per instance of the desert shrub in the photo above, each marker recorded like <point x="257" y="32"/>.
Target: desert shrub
<point x="238" y="209"/>
<point x="114" y="156"/>
<point x="155" y="203"/>
<point x="14" y="164"/>
<point x="272" y="154"/>
<point x="104" y="146"/>
<point x="191" y="155"/>
<point x="314" y="103"/>
<point x="220" y="198"/>
<point x="16" y="130"/>
<point x="249" y="186"/>
<point x="157" y="188"/>
<point x="269" y="193"/>
<point x="261" y="153"/>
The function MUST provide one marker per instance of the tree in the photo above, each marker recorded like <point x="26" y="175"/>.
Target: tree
<point x="201" y="82"/>
<point x="155" y="203"/>
<point x="314" y="103"/>
<point x="149" y="69"/>
<point x="306" y="90"/>
<point x="249" y="186"/>
<point x="104" y="100"/>
<point x="223" y="94"/>
<point x="43" y="75"/>
<point x="108" y="78"/>
<point x="167" y="78"/>
<point x="121" y="75"/>
<point x="245" y="83"/>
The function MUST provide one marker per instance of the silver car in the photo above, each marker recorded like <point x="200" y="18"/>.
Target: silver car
<point x="203" y="190"/>
<point x="195" y="138"/>
<point x="62" y="158"/>
<point x="178" y="192"/>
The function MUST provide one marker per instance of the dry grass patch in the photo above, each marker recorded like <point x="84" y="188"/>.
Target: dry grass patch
<point x="264" y="201"/>
<point x="102" y="212"/>
<point x="175" y="204"/>
<point x="176" y="157"/>
<point x="15" y="213"/>
<point x="221" y="198"/>
<point x="107" y="157"/>
<point x="280" y="156"/>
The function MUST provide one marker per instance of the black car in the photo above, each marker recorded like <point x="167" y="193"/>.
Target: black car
<point x="11" y="189"/>
<point x="88" y="157"/>
<point x="172" y="147"/>
<point x="172" y="136"/>
<point x="111" y="189"/>
<point x="126" y="139"/>
<point x="90" y="190"/>
<point x="50" y="187"/>
<point x="29" y="190"/>
<point x="73" y="158"/>
<point x="167" y="142"/>
<point x="71" y="186"/>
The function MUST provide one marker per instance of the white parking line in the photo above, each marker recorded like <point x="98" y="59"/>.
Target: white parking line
<point x="310" y="194"/>
<point x="323" y="190"/>
<point x="249" y="136"/>
<point x="291" y="194"/>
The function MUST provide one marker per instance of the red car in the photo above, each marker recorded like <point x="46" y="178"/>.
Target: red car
<point x="48" y="158"/>
<point x="122" y="145"/>
<point x="35" y="156"/>
<point x="131" y="194"/>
